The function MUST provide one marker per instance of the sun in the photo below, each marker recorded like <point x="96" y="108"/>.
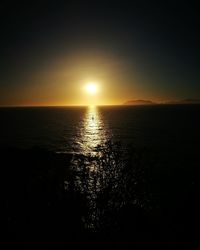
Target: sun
<point x="91" y="88"/>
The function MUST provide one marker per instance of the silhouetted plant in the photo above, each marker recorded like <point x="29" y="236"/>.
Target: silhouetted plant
<point x="112" y="178"/>
<point x="51" y="198"/>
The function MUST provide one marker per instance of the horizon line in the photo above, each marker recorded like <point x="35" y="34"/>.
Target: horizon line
<point x="102" y="105"/>
<point x="81" y="105"/>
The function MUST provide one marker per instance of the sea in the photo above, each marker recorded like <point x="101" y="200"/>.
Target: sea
<point x="149" y="187"/>
<point x="169" y="131"/>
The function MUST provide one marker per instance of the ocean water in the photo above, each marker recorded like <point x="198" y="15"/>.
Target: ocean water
<point x="170" y="129"/>
<point x="156" y="196"/>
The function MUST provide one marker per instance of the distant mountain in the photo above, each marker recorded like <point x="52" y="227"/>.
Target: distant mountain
<point x="190" y="101"/>
<point x="148" y="102"/>
<point x="139" y="102"/>
<point x="184" y="101"/>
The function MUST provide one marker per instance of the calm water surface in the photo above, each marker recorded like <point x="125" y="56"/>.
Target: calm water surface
<point x="81" y="129"/>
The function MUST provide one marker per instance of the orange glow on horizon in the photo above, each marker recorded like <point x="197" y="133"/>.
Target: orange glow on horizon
<point x="81" y="79"/>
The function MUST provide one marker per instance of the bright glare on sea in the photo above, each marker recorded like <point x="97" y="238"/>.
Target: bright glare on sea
<point x="81" y="129"/>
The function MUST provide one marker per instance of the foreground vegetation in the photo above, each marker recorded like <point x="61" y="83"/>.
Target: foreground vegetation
<point x="115" y="196"/>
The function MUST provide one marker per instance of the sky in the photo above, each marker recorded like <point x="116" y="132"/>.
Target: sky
<point x="133" y="50"/>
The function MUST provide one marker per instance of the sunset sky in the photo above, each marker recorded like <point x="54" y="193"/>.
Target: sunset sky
<point x="50" y="50"/>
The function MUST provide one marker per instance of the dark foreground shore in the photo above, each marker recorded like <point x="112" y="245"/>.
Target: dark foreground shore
<point x="55" y="201"/>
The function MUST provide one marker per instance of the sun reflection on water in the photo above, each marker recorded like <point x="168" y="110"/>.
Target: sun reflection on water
<point x="92" y="131"/>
